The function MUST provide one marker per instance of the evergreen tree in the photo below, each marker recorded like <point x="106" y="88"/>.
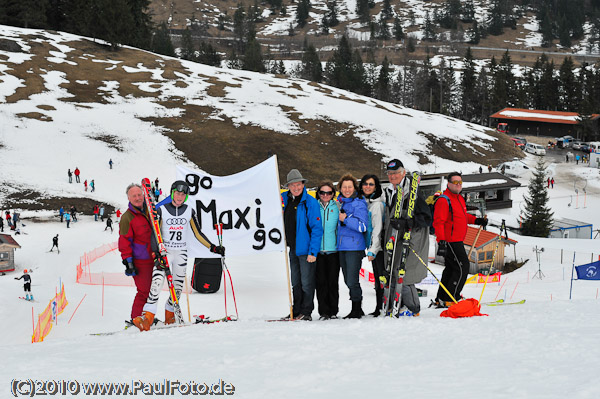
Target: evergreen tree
<point x="302" y="12"/>
<point x="397" y="29"/>
<point x="468" y="91"/>
<point x="428" y="29"/>
<point x="161" y="41"/>
<point x="495" y="23"/>
<point x="311" y="68"/>
<point x="382" y="86"/>
<point x="114" y="22"/>
<point x="208" y="55"/>
<point x="537" y="217"/>
<point x="253" y="60"/>
<point x="569" y="88"/>
<point x="188" y="52"/>
<point x="55" y="14"/>
<point x="141" y="29"/>
<point x="475" y="33"/>
<point x="332" y="14"/>
<point x="362" y="9"/>
<point x="386" y="10"/>
<point x="468" y="11"/>
<point x="383" y="32"/>
<point x="411" y="45"/>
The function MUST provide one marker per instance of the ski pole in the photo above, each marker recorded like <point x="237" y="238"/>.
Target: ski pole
<point x="220" y="237"/>
<point x="434" y="276"/>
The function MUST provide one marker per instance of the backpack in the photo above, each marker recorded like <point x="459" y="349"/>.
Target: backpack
<point x="431" y="201"/>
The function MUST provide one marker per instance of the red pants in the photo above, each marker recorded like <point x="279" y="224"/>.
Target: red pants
<point x="143" y="280"/>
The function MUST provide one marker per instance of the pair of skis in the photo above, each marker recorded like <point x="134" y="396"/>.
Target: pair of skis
<point x="393" y="280"/>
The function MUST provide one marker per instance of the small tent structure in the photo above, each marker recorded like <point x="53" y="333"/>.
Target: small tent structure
<point x="7" y="253"/>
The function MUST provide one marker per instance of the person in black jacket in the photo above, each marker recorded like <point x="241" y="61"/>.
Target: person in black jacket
<point x="26" y="285"/>
<point x="55" y="243"/>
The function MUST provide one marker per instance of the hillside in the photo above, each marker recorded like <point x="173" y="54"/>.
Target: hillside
<point x="73" y="97"/>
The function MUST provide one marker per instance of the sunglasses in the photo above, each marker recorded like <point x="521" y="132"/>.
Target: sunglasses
<point x="325" y="192"/>
<point x="457" y="182"/>
<point x="368" y="184"/>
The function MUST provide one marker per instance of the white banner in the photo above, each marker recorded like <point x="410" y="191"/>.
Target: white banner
<point x="247" y="203"/>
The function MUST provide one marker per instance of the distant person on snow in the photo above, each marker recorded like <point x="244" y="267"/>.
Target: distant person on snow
<point x="93" y="185"/>
<point x="55" y="243"/>
<point x="480" y="169"/>
<point x="109" y="224"/>
<point x="73" y="213"/>
<point x="548" y="182"/>
<point x="177" y="223"/>
<point x="8" y="219"/>
<point x="1" y="225"/>
<point x="68" y="219"/>
<point x="137" y="246"/>
<point x="77" y="173"/>
<point x="70" y="174"/>
<point x="490" y="168"/>
<point x="85" y="184"/>
<point x="552" y="182"/>
<point x="26" y="285"/>
<point x="156" y="183"/>
<point x="110" y="163"/>
<point x="95" y="211"/>
<point x="118" y="213"/>
<point x="101" y="212"/>
<point x="61" y="213"/>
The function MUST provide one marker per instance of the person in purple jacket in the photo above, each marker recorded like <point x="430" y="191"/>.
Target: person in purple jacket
<point x="351" y="239"/>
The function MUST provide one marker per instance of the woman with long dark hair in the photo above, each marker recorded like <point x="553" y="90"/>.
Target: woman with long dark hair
<point x="370" y="189"/>
<point x="353" y="220"/>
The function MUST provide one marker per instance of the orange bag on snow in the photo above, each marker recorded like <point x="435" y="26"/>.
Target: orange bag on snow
<point x="465" y="308"/>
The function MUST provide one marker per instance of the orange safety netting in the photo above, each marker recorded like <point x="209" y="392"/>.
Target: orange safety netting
<point x="44" y="325"/>
<point x="85" y="275"/>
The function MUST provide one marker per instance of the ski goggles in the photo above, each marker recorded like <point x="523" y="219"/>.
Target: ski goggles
<point x="182" y="188"/>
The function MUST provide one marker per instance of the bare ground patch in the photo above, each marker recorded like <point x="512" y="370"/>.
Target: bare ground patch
<point x="35" y="115"/>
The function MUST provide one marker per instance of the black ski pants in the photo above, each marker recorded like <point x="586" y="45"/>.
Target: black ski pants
<point x="328" y="277"/>
<point x="378" y="270"/>
<point x="456" y="271"/>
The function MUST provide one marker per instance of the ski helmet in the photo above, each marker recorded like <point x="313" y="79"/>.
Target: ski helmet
<point x="180" y="186"/>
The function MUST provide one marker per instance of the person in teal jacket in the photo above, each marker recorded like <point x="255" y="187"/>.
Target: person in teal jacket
<point x="303" y="232"/>
<point x="328" y="261"/>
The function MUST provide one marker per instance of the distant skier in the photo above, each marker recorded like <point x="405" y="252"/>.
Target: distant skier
<point x="26" y="285"/>
<point x="109" y="223"/>
<point x="93" y="185"/>
<point x="70" y="174"/>
<point x="55" y="243"/>
<point x="77" y="173"/>
<point x="8" y="219"/>
<point x="110" y="163"/>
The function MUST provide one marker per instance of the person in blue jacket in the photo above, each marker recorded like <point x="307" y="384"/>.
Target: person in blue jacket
<point x="353" y="220"/>
<point x="303" y="232"/>
<point x="328" y="261"/>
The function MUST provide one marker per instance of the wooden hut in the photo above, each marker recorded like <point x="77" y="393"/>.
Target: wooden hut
<point x="7" y="253"/>
<point x="483" y="250"/>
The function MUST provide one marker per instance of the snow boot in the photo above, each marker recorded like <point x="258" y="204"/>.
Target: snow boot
<point x="26" y="297"/>
<point x="144" y="321"/>
<point x="31" y="297"/>
<point x="356" y="312"/>
<point x="169" y="317"/>
<point x="379" y="297"/>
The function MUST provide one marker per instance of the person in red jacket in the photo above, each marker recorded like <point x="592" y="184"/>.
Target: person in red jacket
<point x="450" y="220"/>
<point x="137" y="246"/>
<point x="77" y="173"/>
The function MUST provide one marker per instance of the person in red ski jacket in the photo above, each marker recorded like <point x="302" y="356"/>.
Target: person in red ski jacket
<point x="137" y="246"/>
<point x="450" y="220"/>
<point x="77" y="173"/>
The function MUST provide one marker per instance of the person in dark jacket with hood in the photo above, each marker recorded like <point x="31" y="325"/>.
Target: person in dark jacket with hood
<point x="415" y="271"/>
<point x="353" y="220"/>
<point x="303" y="232"/>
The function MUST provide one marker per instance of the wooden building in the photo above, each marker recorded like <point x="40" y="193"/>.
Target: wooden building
<point x="483" y="250"/>
<point x="493" y="188"/>
<point x="7" y="253"/>
<point x="534" y="122"/>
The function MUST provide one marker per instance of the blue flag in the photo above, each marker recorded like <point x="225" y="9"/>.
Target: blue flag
<point x="591" y="271"/>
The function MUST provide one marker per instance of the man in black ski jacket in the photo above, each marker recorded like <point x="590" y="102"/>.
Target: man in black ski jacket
<point x="55" y="243"/>
<point x="419" y="241"/>
<point x="26" y="285"/>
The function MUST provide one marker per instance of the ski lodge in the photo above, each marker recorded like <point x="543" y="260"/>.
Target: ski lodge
<point x="7" y="253"/>
<point x="534" y="122"/>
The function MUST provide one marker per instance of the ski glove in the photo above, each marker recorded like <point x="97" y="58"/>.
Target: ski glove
<point x="130" y="269"/>
<point x="442" y="249"/>
<point x="160" y="262"/>
<point x="481" y="221"/>
<point x="402" y="224"/>
<point x="217" y="249"/>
